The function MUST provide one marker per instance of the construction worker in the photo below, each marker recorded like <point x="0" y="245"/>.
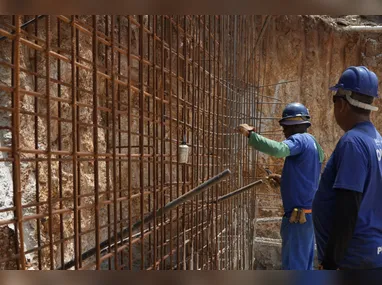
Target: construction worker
<point x="347" y="210"/>
<point x="299" y="182"/>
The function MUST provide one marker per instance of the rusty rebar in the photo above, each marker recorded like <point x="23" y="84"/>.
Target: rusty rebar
<point x="171" y="138"/>
<point x="95" y="138"/>
<point x="17" y="193"/>
<point x="49" y="140"/>
<point x="34" y="20"/>
<point x="74" y="72"/>
<point x="129" y="143"/>
<point x="60" y="163"/>
<point x="135" y="87"/>
<point x="168" y="207"/>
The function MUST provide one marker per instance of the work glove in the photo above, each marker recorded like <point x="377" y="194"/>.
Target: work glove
<point x="275" y="179"/>
<point x="245" y="129"/>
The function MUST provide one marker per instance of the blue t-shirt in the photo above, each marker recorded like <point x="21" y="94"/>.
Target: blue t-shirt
<point x="301" y="172"/>
<point x="354" y="165"/>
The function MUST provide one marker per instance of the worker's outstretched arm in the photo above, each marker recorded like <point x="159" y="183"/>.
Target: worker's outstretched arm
<point x="292" y="146"/>
<point x="270" y="147"/>
<point x="345" y="219"/>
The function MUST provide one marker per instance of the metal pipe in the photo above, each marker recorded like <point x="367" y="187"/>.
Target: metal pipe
<point x="361" y="29"/>
<point x="185" y="197"/>
<point x="26" y="24"/>
<point x="238" y="191"/>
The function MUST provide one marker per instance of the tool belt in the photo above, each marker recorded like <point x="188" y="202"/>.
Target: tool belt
<point x="298" y="215"/>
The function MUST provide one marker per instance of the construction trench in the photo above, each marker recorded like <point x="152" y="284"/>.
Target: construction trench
<point x="94" y="111"/>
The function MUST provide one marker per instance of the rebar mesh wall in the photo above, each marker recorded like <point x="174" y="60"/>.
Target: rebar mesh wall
<point x="93" y="110"/>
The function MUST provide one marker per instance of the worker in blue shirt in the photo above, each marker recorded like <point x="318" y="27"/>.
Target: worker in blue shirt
<point x="347" y="210"/>
<point x="299" y="182"/>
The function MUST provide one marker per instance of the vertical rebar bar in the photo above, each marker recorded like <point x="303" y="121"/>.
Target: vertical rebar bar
<point x="209" y="147"/>
<point x="170" y="136"/>
<point x="221" y="123"/>
<point x="49" y="142"/>
<point x="17" y="192"/>
<point x="36" y="140"/>
<point x="59" y="134"/>
<point x="108" y="144"/>
<point x="215" y="145"/>
<point x="129" y="183"/>
<point x="198" y="141"/>
<point x="74" y="70"/>
<point x="194" y="168"/>
<point x="114" y="140"/>
<point x="150" y="137"/>
<point x="177" y="139"/>
<point x="162" y="144"/>
<point x="203" y="137"/>
<point x="141" y="132"/>
<point x="184" y="134"/>
<point x="155" y="141"/>
<point x="120" y="130"/>
<point x="78" y="138"/>
<point x="95" y="141"/>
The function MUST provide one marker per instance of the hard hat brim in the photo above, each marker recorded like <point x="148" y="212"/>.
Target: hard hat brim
<point x="334" y="88"/>
<point x="291" y="123"/>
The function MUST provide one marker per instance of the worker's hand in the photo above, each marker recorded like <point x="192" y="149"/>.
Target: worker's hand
<point x="275" y="179"/>
<point x="245" y="129"/>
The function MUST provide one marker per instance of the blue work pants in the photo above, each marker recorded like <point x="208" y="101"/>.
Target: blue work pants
<point x="297" y="244"/>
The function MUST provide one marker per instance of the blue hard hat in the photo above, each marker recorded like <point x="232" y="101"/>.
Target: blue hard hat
<point x="295" y="114"/>
<point x="358" y="79"/>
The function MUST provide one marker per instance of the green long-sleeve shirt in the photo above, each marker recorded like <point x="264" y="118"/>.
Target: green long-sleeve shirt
<point x="274" y="148"/>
